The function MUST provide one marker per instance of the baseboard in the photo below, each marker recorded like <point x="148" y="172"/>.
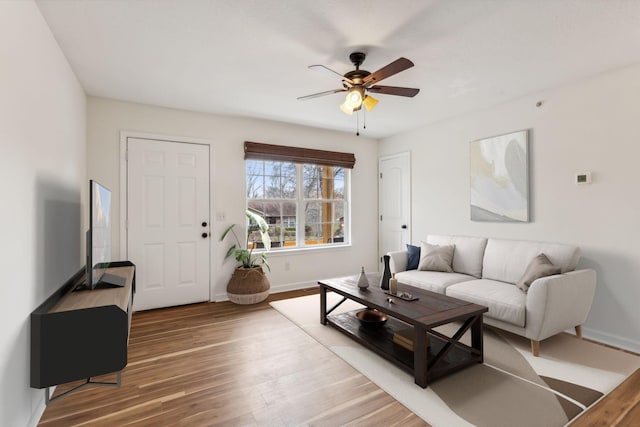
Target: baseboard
<point x="39" y="410"/>
<point x="294" y="286"/>
<point x="612" y="340"/>
<point x="276" y="289"/>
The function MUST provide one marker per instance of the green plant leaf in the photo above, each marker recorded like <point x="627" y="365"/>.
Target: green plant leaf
<point x="242" y="254"/>
<point x="230" y="252"/>
<point x="264" y="261"/>
<point x="263" y="228"/>
<point x="226" y="231"/>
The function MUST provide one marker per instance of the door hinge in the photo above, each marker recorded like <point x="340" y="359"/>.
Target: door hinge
<point x="380" y="217"/>
<point x="380" y="175"/>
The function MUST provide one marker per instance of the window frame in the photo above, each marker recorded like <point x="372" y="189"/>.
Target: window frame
<point x="300" y="202"/>
<point x="299" y="157"/>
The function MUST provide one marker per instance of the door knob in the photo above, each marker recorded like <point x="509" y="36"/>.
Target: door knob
<point x="204" y="223"/>
<point x="205" y="235"/>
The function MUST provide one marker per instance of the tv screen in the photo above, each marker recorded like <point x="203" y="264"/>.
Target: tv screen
<point x="99" y="241"/>
<point x="99" y="250"/>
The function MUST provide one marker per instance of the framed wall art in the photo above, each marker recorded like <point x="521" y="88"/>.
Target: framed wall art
<point x="499" y="178"/>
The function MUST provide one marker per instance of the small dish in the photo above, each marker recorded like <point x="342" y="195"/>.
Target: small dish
<point x="403" y="295"/>
<point x="371" y="317"/>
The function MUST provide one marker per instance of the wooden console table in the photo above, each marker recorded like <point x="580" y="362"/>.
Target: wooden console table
<point x="80" y="335"/>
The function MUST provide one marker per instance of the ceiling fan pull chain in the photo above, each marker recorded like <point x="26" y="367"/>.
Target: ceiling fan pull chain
<point x="357" y="124"/>
<point x="364" y="118"/>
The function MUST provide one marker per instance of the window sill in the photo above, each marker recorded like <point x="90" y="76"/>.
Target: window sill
<point x="308" y="249"/>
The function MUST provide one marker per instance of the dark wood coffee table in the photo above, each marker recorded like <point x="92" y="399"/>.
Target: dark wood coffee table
<point x="435" y="354"/>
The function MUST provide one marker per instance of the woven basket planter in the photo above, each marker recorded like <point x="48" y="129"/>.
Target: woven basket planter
<point x="248" y="286"/>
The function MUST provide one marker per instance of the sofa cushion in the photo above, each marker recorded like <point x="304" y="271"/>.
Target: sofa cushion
<point x="435" y="257"/>
<point x="467" y="258"/>
<point x="540" y="266"/>
<point x="413" y="253"/>
<point x="505" y="301"/>
<point x="507" y="260"/>
<point x="434" y="281"/>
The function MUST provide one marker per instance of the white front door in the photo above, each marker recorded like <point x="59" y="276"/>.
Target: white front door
<point x="168" y="221"/>
<point x="394" y="198"/>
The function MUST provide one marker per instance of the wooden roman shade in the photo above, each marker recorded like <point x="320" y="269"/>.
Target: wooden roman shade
<point x="256" y="150"/>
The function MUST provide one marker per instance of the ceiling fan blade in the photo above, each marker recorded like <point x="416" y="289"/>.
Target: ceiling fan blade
<point x="388" y="70"/>
<point x="394" y="90"/>
<point x="316" y="95"/>
<point x="327" y="69"/>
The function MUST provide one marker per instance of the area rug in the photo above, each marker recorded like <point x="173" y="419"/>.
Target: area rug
<point x="511" y="387"/>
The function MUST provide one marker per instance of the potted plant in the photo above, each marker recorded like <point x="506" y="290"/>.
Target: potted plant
<point x="249" y="284"/>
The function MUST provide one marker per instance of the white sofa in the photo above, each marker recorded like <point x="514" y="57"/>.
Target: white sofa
<point x="485" y="271"/>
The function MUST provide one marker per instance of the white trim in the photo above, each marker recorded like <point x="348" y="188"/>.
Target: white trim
<point x="124" y="137"/>
<point x="276" y="289"/>
<point x="612" y="340"/>
<point x="39" y="410"/>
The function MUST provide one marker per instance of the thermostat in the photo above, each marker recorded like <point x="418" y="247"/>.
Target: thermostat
<point x="583" y="178"/>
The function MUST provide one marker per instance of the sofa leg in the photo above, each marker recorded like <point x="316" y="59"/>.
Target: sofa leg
<point x="579" y="331"/>
<point x="535" y="348"/>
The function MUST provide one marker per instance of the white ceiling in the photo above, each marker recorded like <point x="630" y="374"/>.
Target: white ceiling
<point x="250" y="57"/>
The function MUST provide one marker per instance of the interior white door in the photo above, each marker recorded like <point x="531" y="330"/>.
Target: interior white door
<point x="394" y="198"/>
<point x="168" y="221"/>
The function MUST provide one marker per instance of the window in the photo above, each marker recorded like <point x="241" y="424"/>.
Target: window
<point x="272" y="192"/>
<point x="304" y="203"/>
<point x="324" y="204"/>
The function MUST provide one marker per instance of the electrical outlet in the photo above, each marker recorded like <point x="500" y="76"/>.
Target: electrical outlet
<point x="221" y="216"/>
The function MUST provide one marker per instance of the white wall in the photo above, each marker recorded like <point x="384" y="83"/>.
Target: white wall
<point x="42" y="162"/>
<point x="591" y="126"/>
<point x="107" y="118"/>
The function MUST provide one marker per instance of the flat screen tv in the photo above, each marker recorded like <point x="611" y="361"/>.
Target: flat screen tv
<point x="98" y="240"/>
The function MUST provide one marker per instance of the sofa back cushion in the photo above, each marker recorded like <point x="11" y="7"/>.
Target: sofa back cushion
<point x="436" y="257"/>
<point x="467" y="256"/>
<point x="507" y="260"/>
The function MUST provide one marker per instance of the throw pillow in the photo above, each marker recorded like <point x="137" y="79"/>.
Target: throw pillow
<point x="436" y="258"/>
<point x="538" y="267"/>
<point x="414" y="257"/>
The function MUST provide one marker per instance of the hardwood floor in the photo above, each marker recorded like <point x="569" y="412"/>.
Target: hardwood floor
<point x="225" y="364"/>
<point x="619" y="408"/>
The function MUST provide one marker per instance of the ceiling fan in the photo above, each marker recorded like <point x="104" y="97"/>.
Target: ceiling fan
<point x="358" y="83"/>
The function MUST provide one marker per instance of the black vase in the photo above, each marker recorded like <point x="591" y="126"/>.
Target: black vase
<point x="386" y="275"/>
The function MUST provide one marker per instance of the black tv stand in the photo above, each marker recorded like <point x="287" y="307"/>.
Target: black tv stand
<point x="81" y="335"/>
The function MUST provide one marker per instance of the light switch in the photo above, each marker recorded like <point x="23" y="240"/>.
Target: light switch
<point x="221" y="216"/>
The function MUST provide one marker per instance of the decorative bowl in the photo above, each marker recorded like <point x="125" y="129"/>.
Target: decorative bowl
<point x="371" y="317"/>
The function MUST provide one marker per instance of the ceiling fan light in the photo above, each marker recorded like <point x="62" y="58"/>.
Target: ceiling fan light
<point x="346" y="109"/>
<point x="370" y="102"/>
<point x="353" y="99"/>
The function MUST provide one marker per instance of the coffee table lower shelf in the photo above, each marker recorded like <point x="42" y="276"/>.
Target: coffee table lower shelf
<point x="379" y="339"/>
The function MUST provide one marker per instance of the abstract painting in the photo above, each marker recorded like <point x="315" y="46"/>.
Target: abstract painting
<point x="499" y="178"/>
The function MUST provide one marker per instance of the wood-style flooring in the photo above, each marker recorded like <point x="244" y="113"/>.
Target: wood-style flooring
<point x="226" y="364"/>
